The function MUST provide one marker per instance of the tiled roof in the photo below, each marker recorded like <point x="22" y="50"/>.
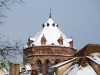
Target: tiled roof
<point x="88" y="49"/>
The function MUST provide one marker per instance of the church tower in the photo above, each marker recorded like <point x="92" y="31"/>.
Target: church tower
<point x="48" y="47"/>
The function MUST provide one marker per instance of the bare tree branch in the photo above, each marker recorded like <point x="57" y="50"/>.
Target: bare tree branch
<point x="5" y="5"/>
<point x="8" y="51"/>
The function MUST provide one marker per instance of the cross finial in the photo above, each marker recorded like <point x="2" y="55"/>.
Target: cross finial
<point x="50" y="14"/>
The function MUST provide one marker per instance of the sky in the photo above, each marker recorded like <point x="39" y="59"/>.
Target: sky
<point x="79" y="19"/>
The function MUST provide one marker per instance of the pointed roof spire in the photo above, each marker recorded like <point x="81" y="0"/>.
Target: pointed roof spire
<point x="50" y="14"/>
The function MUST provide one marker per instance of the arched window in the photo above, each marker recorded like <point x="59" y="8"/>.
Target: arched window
<point x="39" y="63"/>
<point x="57" y="61"/>
<point x="48" y="65"/>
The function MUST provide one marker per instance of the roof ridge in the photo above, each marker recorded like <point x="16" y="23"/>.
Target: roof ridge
<point x="84" y="54"/>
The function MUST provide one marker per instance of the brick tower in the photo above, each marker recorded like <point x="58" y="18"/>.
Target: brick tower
<point x="48" y="47"/>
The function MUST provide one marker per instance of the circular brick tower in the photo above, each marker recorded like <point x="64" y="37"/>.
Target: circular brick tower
<point x="48" y="47"/>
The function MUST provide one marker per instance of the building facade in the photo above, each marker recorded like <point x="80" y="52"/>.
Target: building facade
<point x="48" y="47"/>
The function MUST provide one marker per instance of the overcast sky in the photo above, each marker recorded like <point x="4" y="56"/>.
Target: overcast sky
<point x="79" y="19"/>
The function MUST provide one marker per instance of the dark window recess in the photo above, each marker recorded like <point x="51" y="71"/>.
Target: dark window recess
<point x="53" y="24"/>
<point x="39" y="66"/>
<point x="47" y="24"/>
<point x="48" y="64"/>
<point x="43" y="25"/>
<point x="57" y="25"/>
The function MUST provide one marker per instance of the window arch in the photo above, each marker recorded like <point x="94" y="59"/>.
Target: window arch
<point x="57" y="61"/>
<point x="39" y="64"/>
<point x="48" y="65"/>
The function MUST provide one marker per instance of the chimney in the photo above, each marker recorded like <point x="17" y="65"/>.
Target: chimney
<point x="14" y="69"/>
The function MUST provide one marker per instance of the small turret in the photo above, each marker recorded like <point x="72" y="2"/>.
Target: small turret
<point x="43" y="40"/>
<point x="29" y="41"/>
<point x="71" y="43"/>
<point x="60" y="40"/>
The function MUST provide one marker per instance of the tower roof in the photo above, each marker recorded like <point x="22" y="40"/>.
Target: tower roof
<point x="52" y="33"/>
